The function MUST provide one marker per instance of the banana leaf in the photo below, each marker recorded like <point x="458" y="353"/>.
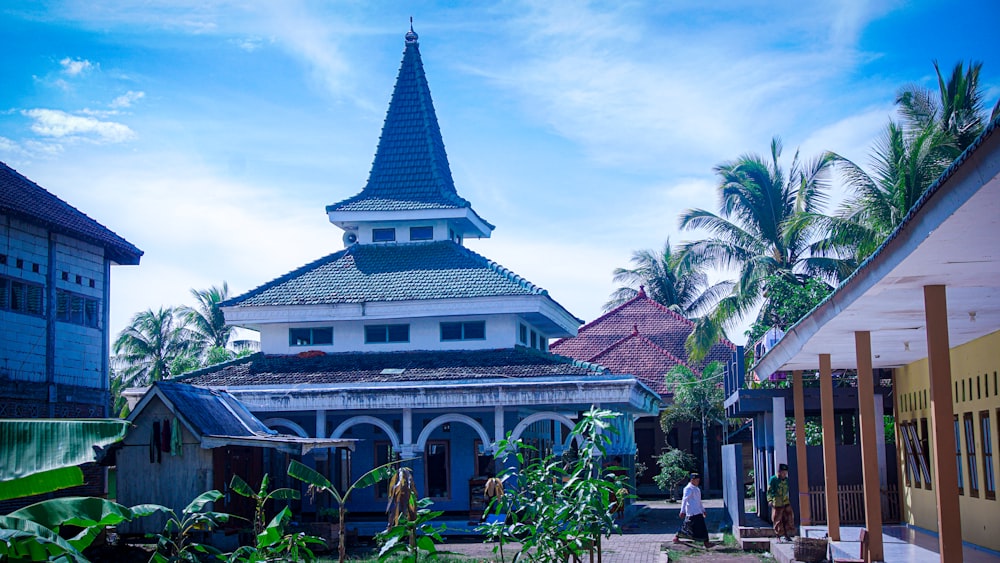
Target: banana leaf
<point x="91" y="514"/>
<point x="39" y="446"/>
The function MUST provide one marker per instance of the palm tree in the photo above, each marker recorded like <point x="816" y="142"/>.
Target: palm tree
<point x="147" y="348"/>
<point x="206" y="319"/>
<point x="904" y="164"/>
<point x="958" y="107"/>
<point x="765" y="226"/>
<point x="674" y="283"/>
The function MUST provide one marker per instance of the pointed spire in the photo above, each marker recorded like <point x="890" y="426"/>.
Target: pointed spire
<point x="411" y="170"/>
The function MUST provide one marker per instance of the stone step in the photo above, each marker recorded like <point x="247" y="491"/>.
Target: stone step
<point x="747" y="532"/>
<point x="758" y="545"/>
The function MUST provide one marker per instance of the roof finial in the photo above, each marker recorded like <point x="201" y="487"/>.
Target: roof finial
<point x="635" y="330"/>
<point x="411" y="36"/>
<point x="642" y="291"/>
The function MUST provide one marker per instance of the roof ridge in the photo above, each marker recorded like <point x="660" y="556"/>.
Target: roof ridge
<point x="595" y="321"/>
<point x="563" y="359"/>
<point x="287" y="276"/>
<point x="502" y="270"/>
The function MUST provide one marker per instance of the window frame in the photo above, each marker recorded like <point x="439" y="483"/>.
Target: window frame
<point x="382" y="486"/>
<point x="910" y="456"/>
<point x="384" y="231"/>
<point x="462" y="328"/>
<point x="312" y="336"/>
<point x="970" y="454"/>
<point x="430" y="235"/>
<point x="989" y="475"/>
<point x="386" y="330"/>
<point x="19" y="296"/>
<point x="958" y="456"/>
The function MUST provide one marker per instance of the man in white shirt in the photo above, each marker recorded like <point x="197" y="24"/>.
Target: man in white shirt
<point x="693" y="513"/>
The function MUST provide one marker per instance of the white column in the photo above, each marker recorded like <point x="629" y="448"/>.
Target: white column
<point x="778" y="426"/>
<point x="498" y="429"/>
<point x="320" y="455"/>
<point x="407" y="442"/>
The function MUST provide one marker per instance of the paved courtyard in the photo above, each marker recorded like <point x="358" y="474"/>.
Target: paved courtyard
<point x="640" y="542"/>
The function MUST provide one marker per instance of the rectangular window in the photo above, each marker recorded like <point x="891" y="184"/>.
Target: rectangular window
<point x="907" y="430"/>
<point x="925" y="453"/>
<point x="22" y="297"/>
<point x="989" y="478"/>
<point x="958" y="457"/>
<point x="534" y="339"/>
<point x="383" y="235"/>
<point x="421" y="233"/>
<point x="970" y="453"/>
<point x="77" y="309"/>
<point x="321" y="336"/>
<point x="375" y="334"/>
<point x="437" y="465"/>
<point x="523" y="335"/>
<point x="469" y="330"/>
<point x="483" y="462"/>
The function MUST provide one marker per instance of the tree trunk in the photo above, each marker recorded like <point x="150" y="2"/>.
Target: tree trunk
<point x="704" y="452"/>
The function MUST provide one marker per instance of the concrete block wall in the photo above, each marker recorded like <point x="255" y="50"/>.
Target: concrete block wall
<point x="79" y="350"/>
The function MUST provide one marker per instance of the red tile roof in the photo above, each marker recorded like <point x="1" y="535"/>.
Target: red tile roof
<point x="641" y="338"/>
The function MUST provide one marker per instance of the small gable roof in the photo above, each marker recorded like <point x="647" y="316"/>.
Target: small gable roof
<point x="640" y="337"/>
<point x="25" y="199"/>
<point x="390" y="272"/>
<point x="410" y="170"/>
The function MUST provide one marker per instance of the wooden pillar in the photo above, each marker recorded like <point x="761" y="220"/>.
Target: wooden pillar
<point x="829" y="448"/>
<point x="798" y="398"/>
<point x="942" y="424"/>
<point x="868" y="428"/>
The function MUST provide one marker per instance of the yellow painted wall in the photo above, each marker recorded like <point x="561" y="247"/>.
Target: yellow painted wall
<point x="975" y="369"/>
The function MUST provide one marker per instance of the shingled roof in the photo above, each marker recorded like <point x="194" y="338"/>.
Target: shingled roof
<point x="390" y="367"/>
<point x="20" y="197"/>
<point x="641" y="338"/>
<point x="411" y="168"/>
<point x="390" y="272"/>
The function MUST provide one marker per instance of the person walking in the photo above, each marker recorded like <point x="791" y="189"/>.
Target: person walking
<point x="782" y="516"/>
<point x="693" y="513"/>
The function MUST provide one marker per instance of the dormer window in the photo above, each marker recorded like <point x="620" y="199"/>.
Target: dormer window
<point x="421" y="233"/>
<point x="383" y="235"/>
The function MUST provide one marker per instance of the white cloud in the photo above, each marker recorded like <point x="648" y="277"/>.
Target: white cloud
<point x="127" y="99"/>
<point x="248" y="44"/>
<point x="75" y="67"/>
<point x="59" y="124"/>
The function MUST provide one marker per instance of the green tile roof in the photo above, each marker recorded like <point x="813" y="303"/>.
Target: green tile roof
<point x="411" y="169"/>
<point x="390" y="272"/>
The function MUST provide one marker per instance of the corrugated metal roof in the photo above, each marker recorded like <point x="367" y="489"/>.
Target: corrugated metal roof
<point x="212" y="412"/>
<point x="21" y="197"/>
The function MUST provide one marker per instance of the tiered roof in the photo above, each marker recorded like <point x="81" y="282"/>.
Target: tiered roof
<point x="23" y="198"/>
<point x="641" y="338"/>
<point x="411" y="170"/>
<point x="391" y="367"/>
<point x="390" y="272"/>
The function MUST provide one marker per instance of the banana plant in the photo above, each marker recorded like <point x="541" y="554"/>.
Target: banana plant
<point x="260" y="498"/>
<point x="274" y="545"/>
<point x="320" y="484"/>
<point x="176" y="542"/>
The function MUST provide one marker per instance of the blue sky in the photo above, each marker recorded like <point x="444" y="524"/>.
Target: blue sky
<point x="213" y="134"/>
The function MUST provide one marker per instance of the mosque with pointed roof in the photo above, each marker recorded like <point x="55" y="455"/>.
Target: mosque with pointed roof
<point x="407" y="342"/>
